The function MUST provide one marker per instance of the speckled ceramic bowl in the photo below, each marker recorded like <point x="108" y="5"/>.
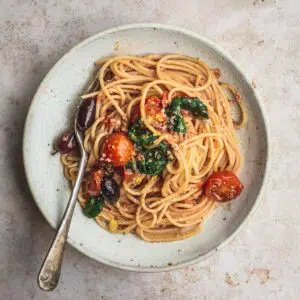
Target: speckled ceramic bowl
<point x="53" y="107"/>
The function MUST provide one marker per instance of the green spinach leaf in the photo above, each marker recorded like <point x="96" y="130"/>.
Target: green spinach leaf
<point x="93" y="206"/>
<point x="194" y="105"/>
<point x="129" y="165"/>
<point x="154" y="159"/>
<point x="141" y="135"/>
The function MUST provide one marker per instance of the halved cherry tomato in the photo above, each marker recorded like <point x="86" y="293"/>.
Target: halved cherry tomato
<point x="94" y="182"/>
<point x="223" y="186"/>
<point x="153" y="107"/>
<point x="117" y="149"/>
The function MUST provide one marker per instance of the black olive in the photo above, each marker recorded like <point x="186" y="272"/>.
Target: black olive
<point x="86" y="114"/>
<point x="66" y="143"/>
<point x="110" y="189"/>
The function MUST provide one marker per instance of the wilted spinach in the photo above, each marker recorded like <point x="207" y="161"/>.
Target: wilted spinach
<point x="93" y="206"/>
<point x="155" y="159"/>
<point x="140" y="134"/>
<point x="194" y="105"/>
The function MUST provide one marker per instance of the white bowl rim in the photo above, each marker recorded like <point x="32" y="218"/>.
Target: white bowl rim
<point x="265" y="123"/>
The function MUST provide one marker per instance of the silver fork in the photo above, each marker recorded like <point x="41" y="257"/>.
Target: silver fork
<point x="50" y="271"/>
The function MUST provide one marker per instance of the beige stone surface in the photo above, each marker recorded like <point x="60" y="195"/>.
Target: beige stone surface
<point x="263" y="262"/>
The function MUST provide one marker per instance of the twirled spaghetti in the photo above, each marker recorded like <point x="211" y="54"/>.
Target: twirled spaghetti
<point x="171" y="205"/>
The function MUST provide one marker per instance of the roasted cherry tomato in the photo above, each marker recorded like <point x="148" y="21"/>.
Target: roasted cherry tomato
<point x="66" y="143"/>
<point x="117" y="149"/>
<point x="223" y="186"/>
<point x="94" y="182"/>
<point x="153" y="108"/>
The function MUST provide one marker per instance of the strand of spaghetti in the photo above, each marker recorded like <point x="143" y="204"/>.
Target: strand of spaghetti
<point x="168" y="238"/>
<point x="197" y="218"/>
<point x="207" y="70"/>
<point x="237" y="98"/>
<point x="147" y="224"/>
<point x="105" y="88"/>
<point x="90" y="95"/>
<point x="201" y="135"/>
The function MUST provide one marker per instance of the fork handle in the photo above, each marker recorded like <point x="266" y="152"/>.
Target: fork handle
<point x="50" y="270"/>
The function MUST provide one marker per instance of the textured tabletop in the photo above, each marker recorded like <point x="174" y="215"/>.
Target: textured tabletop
<point x="263" y="262"/>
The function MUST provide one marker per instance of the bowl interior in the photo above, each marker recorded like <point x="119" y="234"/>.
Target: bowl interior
<point x="53" y="109"/>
